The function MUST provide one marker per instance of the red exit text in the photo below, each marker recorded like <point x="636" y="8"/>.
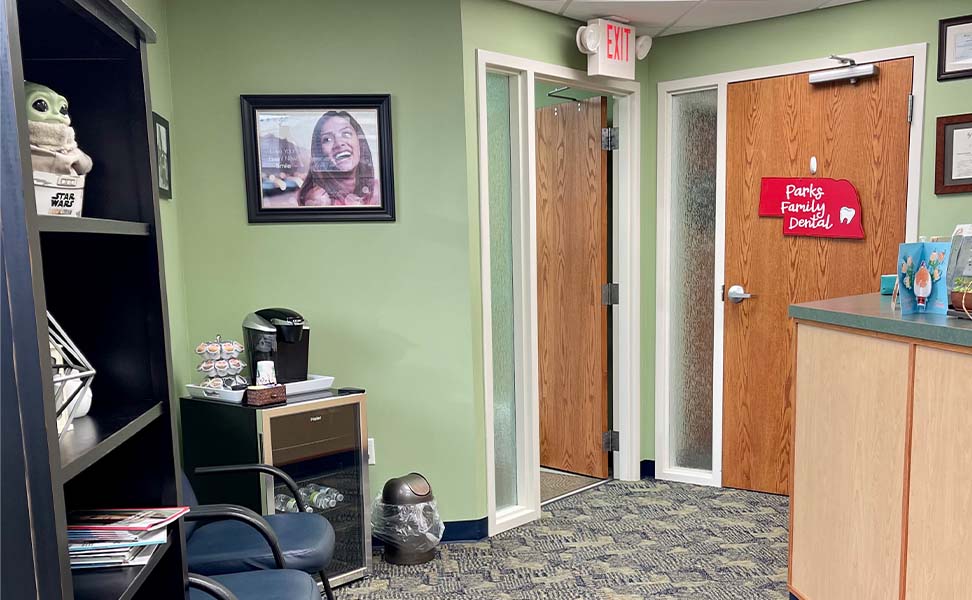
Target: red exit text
<point x="618" y="42"/>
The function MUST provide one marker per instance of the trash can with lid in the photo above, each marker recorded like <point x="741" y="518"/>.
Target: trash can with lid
<point x="405" y="517"/>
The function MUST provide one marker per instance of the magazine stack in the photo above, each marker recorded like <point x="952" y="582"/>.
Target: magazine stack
<point x="118" y="537"/>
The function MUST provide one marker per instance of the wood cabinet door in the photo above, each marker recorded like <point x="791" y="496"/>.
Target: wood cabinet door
<point x="939" y="541"/>
<point x="572" y="263"/>
<point x="850" y="427"/>
<point x="859" y="132"/>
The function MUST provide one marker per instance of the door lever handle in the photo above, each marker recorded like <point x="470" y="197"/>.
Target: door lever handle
<point x="737" y="294"/>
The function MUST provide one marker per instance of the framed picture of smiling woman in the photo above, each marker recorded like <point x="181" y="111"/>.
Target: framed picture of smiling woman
<point x="318" y="158"/>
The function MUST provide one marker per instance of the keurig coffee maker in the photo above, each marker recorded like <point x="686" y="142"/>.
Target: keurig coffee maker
<point x="279" y="335"/>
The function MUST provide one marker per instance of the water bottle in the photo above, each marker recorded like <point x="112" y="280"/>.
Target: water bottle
<point x="321" y="496"/>
<point x="284" y="503"/>
<point x="318" y="496"/>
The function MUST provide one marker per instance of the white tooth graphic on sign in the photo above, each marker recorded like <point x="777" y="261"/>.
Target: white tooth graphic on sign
<point x="847" y="214"/>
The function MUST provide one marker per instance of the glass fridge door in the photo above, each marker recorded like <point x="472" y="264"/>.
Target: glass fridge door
<point x="322" y="450"/>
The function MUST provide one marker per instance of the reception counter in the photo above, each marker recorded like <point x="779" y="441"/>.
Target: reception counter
<point x="881" y="496"/>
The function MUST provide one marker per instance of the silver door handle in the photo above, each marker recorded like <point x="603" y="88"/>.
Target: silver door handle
<point x="737" y="294"/>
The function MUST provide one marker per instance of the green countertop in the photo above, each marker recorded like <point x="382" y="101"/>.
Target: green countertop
<point x="873" y="312"/>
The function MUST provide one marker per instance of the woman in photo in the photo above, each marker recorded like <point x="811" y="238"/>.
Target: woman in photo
<point x="342" y="171"/>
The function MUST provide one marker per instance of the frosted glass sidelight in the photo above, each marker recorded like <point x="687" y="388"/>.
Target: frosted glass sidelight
<point x="501" y="284"/>
<point x="693" y="197"/>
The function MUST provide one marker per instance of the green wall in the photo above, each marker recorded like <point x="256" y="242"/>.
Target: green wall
<point x="388" y="303"/>
<point x="855" y="27"/>
<point x="153" y="11"/>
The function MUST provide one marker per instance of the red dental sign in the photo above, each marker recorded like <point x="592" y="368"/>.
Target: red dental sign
<point x="813" y="206"/>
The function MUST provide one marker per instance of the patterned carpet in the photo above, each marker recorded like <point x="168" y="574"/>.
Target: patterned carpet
<point x="558" y="483"/>
<point x="618" y="541"/>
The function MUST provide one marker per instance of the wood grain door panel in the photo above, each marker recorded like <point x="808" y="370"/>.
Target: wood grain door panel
<point x="571" y="267"/>
<point x="857" y="132"/>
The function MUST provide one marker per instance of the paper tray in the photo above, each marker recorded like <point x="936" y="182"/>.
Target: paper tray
<point x="313" y="383"/>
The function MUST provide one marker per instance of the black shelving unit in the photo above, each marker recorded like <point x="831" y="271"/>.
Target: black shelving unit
<point x="101" y="277"/>
<point x="52" y="224"/>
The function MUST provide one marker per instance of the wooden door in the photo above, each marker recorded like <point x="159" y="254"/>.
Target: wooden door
<point x="572" y="265"/>
<point x="857" y="132"/>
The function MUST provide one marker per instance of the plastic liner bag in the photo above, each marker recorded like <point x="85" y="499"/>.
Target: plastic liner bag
<point x="410" y="527"/>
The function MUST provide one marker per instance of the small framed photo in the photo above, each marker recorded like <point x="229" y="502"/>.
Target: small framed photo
<point x="163" y="158"/>
<point x="955" y="48"/>
<point x="953" y="154"/>
<point x="318" y="158"/>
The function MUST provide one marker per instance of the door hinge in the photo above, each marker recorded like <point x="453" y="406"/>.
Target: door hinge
<point x="609" y="138"/>
<point x="911" y="107"/>
<point x="610" y="294"/>
<point x="723" y="295"/>
<point x="611" y="441"/>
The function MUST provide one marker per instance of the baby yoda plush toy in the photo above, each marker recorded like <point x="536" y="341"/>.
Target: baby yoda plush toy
<point x="52" y="145"/>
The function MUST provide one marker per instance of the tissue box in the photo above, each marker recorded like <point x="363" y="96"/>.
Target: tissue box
<point x="887" y="284"/>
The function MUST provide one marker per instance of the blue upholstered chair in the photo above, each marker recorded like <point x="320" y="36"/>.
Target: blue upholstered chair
<point x="224" y="539"/>
<point x="279" y="584"/>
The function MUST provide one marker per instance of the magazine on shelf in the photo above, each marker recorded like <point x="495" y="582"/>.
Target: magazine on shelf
<point x="134" y="557"/>
<point x="147" y="538"/>
<point x="123" y="519"/>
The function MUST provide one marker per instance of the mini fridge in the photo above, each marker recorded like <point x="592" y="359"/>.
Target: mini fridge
<point x="319" y="439"/>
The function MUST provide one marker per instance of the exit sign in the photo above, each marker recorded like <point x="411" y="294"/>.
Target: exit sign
<point x="615" y="56"/>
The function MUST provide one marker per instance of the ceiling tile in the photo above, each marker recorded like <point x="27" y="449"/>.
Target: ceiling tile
<point x="648" y="15"/>
<point x="829" y="3"/>
<point x="648" y="29"/>
<point x="727" y="12"/>
<point x="675" y="30"/>
<point x="552" y="6"/>
<point x="672" y="17"/>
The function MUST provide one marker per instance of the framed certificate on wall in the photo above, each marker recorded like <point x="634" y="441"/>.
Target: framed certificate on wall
<point x="953" y="154"/>
<point x="955" y="48"/>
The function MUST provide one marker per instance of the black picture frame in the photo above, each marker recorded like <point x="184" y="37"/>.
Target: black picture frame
<point x="163" y="156"/>
<point x="943" y="27"/>
<point x="257" y="212"/>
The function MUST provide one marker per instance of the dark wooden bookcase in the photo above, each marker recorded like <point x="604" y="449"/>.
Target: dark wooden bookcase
<point x="101" y="276"/>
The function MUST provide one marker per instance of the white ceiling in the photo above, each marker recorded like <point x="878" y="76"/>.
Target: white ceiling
<point x="669" y="17"/>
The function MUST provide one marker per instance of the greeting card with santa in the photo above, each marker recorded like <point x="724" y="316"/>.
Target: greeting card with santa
<point x="921" y="277"/>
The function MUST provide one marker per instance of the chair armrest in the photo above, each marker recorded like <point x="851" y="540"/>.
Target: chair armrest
<point x="258" y="468"/>
<point x="211" y="587"/>
<point x="222" y="512"/>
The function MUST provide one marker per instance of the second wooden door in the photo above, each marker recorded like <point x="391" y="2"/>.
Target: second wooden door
<point x="572" y="265"/>
<point x="856" y="131"/>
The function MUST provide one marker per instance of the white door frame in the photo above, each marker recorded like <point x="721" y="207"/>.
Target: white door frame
<point x="720" y="82"/>
<point x="626" y="272"/>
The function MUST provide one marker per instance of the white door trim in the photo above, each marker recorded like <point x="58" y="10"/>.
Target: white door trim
<point x="666" y="89"/>
<point x="626" y="271"/>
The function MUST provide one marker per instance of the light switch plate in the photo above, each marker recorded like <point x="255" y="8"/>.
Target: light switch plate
<point x="371" y="451"/>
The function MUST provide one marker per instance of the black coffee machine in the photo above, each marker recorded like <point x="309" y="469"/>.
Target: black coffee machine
<point x="279" y="335"/>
